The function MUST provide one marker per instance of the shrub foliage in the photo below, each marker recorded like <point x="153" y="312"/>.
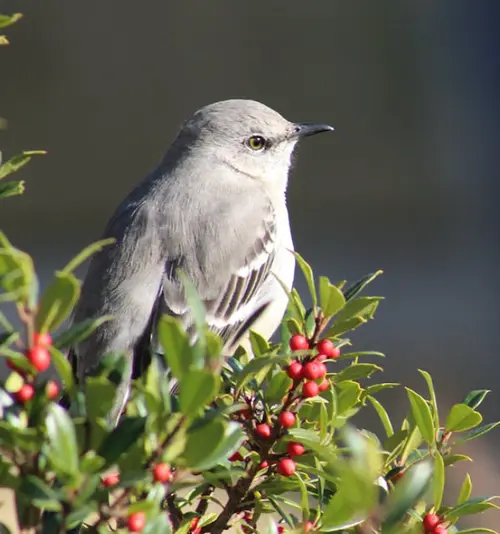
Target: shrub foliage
<point x="256" y="444"/>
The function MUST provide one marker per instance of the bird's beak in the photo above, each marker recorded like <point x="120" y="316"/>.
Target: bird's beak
<point x="303" y="129"/>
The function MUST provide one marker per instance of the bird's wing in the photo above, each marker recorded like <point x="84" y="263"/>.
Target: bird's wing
<point x="229" y="299"/>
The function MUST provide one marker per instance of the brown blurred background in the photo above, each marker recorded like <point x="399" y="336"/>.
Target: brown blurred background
<point x="408" y="183"/>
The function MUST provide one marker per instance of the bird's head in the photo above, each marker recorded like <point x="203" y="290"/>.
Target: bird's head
<point x="248" y="136"/>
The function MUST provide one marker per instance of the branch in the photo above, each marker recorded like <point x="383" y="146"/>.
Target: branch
<point x="236" y="494"/>
<point x="203" y="504"/>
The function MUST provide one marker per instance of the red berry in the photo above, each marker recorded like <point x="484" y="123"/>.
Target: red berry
<point x="308" y="526"/>
<point x="197" y="530"/>
<point x="264" y="464"/>
<point x="246" y="414"/>
<point x="326" y="348"/>
<point x="321" y="358"/>
<point x="310" y="389"/>
<point x="26" y="393"/>
<point x="136" y="521"/>
<point x="194" y="523"/>
<point x="299" y="342"/>
<point x="295" y="370"/>
<point x="42" y="340"/>
<point x="287" y="419"/>
<point x="281" y="529"/>
<point x="111" y="480"/>
<point x="39" y="357"/>
<point x="295" y="449"/>
<point x="323" y="386"/>
<point x="322" y="369"/>
<point x="439" y="529"/>
<point x="263" y="430"/>
<point x="286" y="467"/>
<point x="162" y="473"/>
<point x="236" y="457"/>
<point x="52" y="390"/>
<point x="312" y="370"/>
<point x="430" y="521"/>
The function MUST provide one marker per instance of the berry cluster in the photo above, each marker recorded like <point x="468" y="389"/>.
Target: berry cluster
<point x="309" y="379"/>
<point x="137" y="520"/>
<point x="39" y="357"/>
<point x="433" y="524"/>
<point x="312" y="370"/>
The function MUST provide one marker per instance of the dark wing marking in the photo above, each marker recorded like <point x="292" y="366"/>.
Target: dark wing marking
<point x="231" y="310"/>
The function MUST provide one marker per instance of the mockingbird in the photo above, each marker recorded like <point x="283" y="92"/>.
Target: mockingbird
<point x="215" y="208"/>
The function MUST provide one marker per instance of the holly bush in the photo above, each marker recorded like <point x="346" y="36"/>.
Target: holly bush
<point x="260" y="442"/>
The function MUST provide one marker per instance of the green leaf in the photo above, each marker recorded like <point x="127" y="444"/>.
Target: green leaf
<point x="475" y="398"/>
<point x="476" y="432"/>
<point x="63" y="368"/>
<point x="259" y="344"/>
<point x="308" y="275"/>
<point x="198" y="312"/>
<point x="254" y="366"/>
<point x="382" y="413"/>
<point x="121" y="439"/>
<point x="407" y="492"/>
<point x="62" y="450"/>
<point x="348" y="395"/>
<point x="304" y="497"/>
<point x="471" y="506"/>
<point x="12" y="189"/>
<point x="16" y="274"/>
<point x="465" y="490"/>
<point x="341" y="512"/>
<point x="79" y="332"/>
<point x="477" y="530"/>
<point x="16" y="162"/>
<point x="277" y="387"/>
<point x="211" y="444"/>
<point x="91" y="463"/>
<point x="432" y="395"/>
<point x="340" y="328"/>
<point x="57" y="302"/>
<point x="357" y="371"/>
<point x="422" y="415"/>
<point x="39" y="493"/>
<point x="79" y="515"/>
<point x="295" y="308"/>
<point x="99" y="396"/>
<point x="24" y="438"/>
<point x="197" y="388"/>
<point x="352" y="355"/>
<point x="159" y="524"/>
<point x="175" y="344"/>
<point x="86" y="253"/>
<point x="370" y="390"/>
<point x="363" y="307"/>
<point x="7" y="20"/>
<point x="438" y="480"/>
<point x="358" y="286"/>
<point x="452" y="459"/>
<point x="462" y="417"/>
<point x="331" y="298"/>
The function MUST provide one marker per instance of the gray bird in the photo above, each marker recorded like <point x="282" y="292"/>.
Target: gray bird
<point x="215" y="207"/>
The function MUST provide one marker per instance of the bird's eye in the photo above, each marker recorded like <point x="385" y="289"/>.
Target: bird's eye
<point x="256" y="142"/>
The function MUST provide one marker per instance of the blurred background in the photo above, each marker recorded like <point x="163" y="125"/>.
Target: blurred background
<point x="408" y="183"/>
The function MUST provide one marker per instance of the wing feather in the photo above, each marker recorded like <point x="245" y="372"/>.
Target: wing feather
<point x="235" y="303"/>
